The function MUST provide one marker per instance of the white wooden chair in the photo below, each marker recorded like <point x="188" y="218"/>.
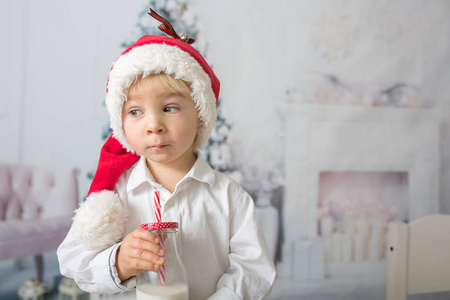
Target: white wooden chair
<point x="418" y="257"/>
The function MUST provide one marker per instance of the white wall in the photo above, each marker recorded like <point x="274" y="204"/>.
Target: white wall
<point x="11" y="77"/>
<point x="262" y="48"/>
<point x="56" y="56"/>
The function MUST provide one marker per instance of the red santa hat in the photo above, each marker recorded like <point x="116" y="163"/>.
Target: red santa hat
<point x="100" y="220"/>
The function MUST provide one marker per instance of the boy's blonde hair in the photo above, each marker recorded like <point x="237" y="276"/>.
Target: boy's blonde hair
<point x="163" y="82"/>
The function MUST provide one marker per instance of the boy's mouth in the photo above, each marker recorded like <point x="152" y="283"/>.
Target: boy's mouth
<point x="158" y="147"/>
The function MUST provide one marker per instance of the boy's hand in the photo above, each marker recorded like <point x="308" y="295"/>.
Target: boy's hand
<point x="140" y="250"/>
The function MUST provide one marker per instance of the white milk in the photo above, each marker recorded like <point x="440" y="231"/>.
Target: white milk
<point x="172" y="291"/>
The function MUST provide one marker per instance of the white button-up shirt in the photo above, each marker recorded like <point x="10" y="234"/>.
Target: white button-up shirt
<point x="222" y="247"/>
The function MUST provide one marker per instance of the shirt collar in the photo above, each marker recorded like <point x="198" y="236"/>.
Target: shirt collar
<point x="200" y="171"/>
<point x="139" y="175"/>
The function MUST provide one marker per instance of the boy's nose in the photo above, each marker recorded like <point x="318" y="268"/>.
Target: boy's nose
<point x="155" y="125"/>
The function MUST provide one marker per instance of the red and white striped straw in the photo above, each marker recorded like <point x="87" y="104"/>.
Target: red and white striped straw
<point x="157" y="200"/>
<point x="162" y="275"/>
<point x="162" y="269"/>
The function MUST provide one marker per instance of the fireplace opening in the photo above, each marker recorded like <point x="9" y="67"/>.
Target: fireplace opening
<point x="355" y="208"/>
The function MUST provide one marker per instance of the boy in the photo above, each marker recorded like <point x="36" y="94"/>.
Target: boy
<point x="161" y="98"/>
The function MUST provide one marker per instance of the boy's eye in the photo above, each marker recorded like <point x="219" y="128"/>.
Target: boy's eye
<point x="135" y="112"/>
<point x="170" y="109"/>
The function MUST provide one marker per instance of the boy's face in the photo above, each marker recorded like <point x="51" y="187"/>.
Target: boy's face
<point x="159" y="125"/>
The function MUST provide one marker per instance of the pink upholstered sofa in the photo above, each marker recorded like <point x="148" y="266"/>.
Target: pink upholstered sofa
<point x="36" y="209"/>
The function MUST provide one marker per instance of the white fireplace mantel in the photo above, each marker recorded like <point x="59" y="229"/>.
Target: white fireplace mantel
<point x="336" y="138"/>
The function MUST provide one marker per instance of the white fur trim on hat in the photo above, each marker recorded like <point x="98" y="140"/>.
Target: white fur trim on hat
<point x="160" y="58"/>
<point x="100" y="221"/>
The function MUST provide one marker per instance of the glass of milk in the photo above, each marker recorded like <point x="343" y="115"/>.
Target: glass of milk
<point x="170" y="281"/>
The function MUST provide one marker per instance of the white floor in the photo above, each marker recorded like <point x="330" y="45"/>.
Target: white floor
<point x="344" y="282"/>
<point x="12" y="277"/>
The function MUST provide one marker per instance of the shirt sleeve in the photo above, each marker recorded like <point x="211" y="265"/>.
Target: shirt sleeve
<point x="252" y="272"/>
<point x="94" y="271"/>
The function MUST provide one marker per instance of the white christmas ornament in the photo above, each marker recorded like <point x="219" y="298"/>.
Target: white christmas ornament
<point x="32" y="289"/>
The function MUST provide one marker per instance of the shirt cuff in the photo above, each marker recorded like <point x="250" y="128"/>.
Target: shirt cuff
<point x="126" y="285"/>
<point x="224" y="294"/>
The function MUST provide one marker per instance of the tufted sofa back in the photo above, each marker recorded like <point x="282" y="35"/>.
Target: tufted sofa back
<point x="33" y="193"/>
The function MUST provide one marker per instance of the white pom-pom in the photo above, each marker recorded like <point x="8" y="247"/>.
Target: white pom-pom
<point x="100" y="221"/>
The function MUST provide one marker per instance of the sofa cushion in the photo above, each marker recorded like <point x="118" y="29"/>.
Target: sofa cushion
<point x="31" y="193"/>
<point x="36" y="208"/>
<point x="19" y="238"/>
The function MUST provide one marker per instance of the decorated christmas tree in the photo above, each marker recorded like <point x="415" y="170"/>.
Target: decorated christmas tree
<point x="217" y="151"/>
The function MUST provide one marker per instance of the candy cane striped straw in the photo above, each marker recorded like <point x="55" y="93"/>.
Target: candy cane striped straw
<point x="157" y="201"/>
<point x="162" y="269"/>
